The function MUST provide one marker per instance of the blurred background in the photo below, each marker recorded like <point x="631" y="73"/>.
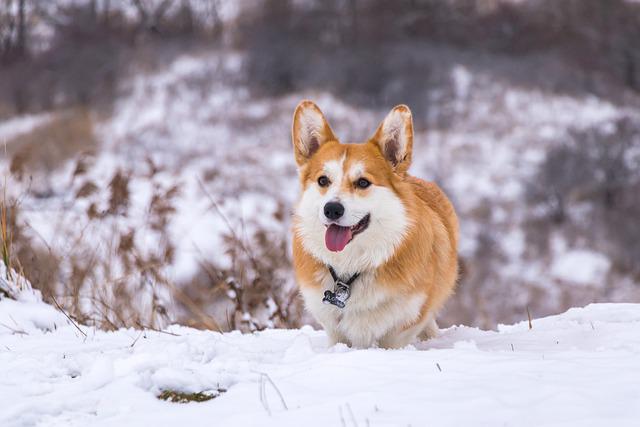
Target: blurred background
<point x="148" y="177"/>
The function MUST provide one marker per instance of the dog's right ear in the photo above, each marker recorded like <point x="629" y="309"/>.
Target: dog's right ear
<point x="310" y="130"/>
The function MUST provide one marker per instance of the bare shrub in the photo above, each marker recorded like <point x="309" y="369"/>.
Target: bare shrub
<point x="256" y="291"/>
<point x="597" y="169"/>
<point x="370" y="52"/>
<point x="119" y="281"/>
<point x="109" y="276"/>
<point x="477" y="294"/>
<point x="89" y="50"/>
<point x="38" y="265"/>
<point x="79" y="66"/>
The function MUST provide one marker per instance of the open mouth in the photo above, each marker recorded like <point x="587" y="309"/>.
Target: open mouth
<point x="337" y="236"/>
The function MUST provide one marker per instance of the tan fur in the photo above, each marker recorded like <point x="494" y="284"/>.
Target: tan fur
<point x="423" y="267"/>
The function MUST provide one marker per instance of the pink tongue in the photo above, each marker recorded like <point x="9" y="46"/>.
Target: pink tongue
<point x="337" y="237"/>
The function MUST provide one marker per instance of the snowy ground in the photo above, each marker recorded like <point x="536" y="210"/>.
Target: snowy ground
<point x="578" y="368"/>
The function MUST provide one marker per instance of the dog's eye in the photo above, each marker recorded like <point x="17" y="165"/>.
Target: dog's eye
<point x="363" y="183"/>
<point x="323" y="181"/>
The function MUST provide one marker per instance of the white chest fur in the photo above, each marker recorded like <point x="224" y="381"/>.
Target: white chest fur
<point x="372" y="316"/>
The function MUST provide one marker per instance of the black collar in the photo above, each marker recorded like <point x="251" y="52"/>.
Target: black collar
<point x="341" y="291"/>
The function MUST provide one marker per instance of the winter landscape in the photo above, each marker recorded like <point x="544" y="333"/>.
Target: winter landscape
<point x="148" y="183"/>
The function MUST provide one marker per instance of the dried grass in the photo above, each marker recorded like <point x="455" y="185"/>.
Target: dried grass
<point x="115" y="280"/>
<point x="50" y="146"/>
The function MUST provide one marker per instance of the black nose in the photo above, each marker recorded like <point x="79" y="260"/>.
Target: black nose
<point x="333" y="210"/>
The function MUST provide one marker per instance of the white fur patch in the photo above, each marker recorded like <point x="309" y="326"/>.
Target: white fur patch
<point x="356" y="171"/>
<point x="394" y="132"/>
<point x="394" y="124"/>
<point x="333" y="169"/>
<point x="311" y="125"/>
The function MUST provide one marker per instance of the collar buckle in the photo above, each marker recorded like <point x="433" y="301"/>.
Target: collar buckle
<point x="339" y="296"/>
<point x="341" y="290"/>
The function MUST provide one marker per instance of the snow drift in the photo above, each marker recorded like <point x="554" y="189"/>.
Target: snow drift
<point x="578" y="368"/>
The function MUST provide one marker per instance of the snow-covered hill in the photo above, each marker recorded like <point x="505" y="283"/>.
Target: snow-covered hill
<point x="578" y="368"/>
<point x="205" y="168"/>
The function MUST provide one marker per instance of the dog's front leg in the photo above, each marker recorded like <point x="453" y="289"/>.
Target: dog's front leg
<point x="335" y="336"/>
<point x="425" y="329"/>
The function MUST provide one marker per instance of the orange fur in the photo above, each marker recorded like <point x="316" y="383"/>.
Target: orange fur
<point x="425" y="263"/>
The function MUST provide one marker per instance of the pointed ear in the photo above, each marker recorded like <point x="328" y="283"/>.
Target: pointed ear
<point x="310" y="130"/>
<point x="394" y="137"/>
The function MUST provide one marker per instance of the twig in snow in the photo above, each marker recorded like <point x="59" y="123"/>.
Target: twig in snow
<point x="140" y="325"/>
<point x="263" y="395"/>
<point x="67" y="316"/>
<point x="439" y="368"/>
<point x="14" y="330"/>
<point x="284" y="404"/>
<point x="353" y="418"/>
<point x="344" y="424"/>
<point x="529" y="317"/>
<point x="14" y="322"/>
<point x="136" y="340"/>
<point x="264" y="377"/>
<point x="512" y="349"/>
<point x="592" y="327"/>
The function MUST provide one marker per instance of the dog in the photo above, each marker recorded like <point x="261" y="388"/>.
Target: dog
<point x="374" y="248"/>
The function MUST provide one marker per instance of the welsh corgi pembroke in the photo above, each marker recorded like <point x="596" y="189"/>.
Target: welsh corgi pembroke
<point x="374" y="248"/>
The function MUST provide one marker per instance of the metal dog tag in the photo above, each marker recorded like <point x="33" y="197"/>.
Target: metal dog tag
<point x="339" y="296"/>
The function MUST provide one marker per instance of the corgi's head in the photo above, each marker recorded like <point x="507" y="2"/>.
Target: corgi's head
<point x="351" y="212"/>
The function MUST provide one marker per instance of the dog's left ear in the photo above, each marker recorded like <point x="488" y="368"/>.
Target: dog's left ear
<point x="394" y="137"/>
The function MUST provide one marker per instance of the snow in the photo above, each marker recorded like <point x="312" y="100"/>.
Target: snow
<point x="578" y="368"/>
<point x="581" y="267"/>
<point x="19" y="125"/>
